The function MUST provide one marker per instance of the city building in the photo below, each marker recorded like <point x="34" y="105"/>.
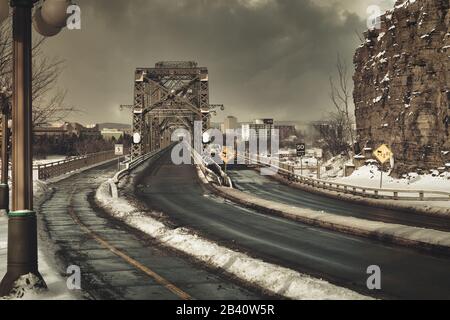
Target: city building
<point x="110" y="134"/>
<point x="230" y="123"/>
<point x="126" y="128"/>
<point x="286" y="131"/>
<point x="68" y="129"/>
<point x="261" y="128"/>
<point x="92" y="130"/>
<point x="50" y="131"/>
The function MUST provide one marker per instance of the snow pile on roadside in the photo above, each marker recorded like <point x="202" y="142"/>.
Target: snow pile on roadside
<point x="369" y="176"/>
<point x="51" y="159"/>
<point x="40" y="189"/>
<point x="279" y="280"/>
<point x="27" y="287"/>
<point x="336" y="164"/>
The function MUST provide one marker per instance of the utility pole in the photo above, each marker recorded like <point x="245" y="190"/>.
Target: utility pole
<point x="4" y="187"/>
<point x="22" y="226"/>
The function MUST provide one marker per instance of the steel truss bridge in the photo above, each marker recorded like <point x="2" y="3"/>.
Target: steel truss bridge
<point x="172" y="95"/>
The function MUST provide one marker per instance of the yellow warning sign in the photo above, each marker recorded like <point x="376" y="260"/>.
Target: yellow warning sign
<point x="383" y="154"/>
<point x="226" y="155"/>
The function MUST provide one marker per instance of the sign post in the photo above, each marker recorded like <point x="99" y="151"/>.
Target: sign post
<point x="301" y="152"/>
<point x="383" y="154"/>
<point x="226" y="155"/>
<point x="118" y="150"/>
<point x="318" y="168"/>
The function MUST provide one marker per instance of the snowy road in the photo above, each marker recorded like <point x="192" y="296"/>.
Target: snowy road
<point x="117" y="262"/>
<point x="250" y="181"/>
<point x="341" y="259"/>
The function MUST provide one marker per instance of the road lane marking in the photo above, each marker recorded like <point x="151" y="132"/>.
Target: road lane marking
<point x="159" y="279"/>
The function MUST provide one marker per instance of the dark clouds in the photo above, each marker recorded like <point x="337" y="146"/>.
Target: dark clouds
<point x="265" y="57"/>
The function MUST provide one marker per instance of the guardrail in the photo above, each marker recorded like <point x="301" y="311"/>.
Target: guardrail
<point x="134" y="164"/>
<point x="287" y="171"/>
<point x="221" y="179"/>
<point x="198" y="160"/>
<point x="58" y="168"/>
<point x="130" y="166"/>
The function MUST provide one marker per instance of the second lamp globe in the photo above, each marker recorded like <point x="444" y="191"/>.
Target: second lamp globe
<point x="42" y="27"/>
<point x="54" y="12"/>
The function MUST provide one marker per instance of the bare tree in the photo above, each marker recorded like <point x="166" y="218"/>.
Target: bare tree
<point x="48" y="100"/>
<point x="87" y="145"/>
<point x="332" y="134"/>
<point x="359" y="36"/>
<point x="52" y="109"/>
<point x="340" y="96"/>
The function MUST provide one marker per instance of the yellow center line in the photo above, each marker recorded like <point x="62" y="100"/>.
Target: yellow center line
<point x="159" y="279"/>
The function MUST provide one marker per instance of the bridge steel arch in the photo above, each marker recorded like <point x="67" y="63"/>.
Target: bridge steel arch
<point x="169" y="95"/>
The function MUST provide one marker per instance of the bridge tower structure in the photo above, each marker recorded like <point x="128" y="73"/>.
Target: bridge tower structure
<point x="173" y="94"/>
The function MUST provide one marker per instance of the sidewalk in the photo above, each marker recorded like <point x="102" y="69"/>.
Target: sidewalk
<point x="56" y="282"/>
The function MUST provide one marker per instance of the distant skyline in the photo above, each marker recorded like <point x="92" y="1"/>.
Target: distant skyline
<point x="266" y="58"/>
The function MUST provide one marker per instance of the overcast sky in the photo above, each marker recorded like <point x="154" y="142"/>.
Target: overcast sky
<point x="266" y="58"/>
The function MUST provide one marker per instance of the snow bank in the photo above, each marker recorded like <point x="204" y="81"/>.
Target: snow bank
<point x="369" y="176"/>
<point x="50" y="159"/>
<point x="26" y="287"/>
<point x="279" y="280"/>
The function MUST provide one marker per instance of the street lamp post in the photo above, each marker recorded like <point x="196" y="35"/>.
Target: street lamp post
<point x="22" y="225"/>
<point x="4" y="187"/>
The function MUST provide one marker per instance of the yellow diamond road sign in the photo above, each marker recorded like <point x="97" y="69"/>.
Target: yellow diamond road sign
<point x="383" y="154"/>
<point x="226" y="155"/>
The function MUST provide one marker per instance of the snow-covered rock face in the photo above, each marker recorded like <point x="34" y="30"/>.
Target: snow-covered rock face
<point x="402" y="84"/>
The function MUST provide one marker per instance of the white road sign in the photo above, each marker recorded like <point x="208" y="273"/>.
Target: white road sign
<point x="118" y="149"/>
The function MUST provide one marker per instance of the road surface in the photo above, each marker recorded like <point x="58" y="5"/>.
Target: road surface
<point x="249" y="180"/>
<point x="341" y="259"/>
<point x="116" y="262"/>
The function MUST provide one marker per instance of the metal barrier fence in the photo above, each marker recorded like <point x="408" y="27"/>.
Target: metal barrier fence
<point x="134" y="164"/>
<point x="198" y="160"/>
<point x="58" y="168"/>
<point x="219" y="176"/>
<point x="288" y="171"/>
<point x="130" y="166"/>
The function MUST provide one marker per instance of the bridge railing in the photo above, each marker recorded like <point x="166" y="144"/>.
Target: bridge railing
<point x="288" y="171"/>
<point x="221" y="178"/>
<point x="130" y="166"/>
<point x="58" y="168"/>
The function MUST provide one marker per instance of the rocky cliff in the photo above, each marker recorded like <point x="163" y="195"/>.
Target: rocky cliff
<point x="402" y="85"/>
